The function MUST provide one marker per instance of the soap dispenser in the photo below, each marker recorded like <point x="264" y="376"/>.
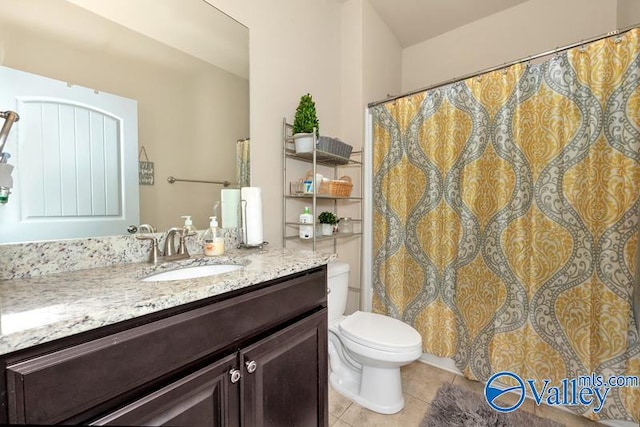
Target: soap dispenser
<point x="188" y="225"/>
<point x="213" y="240"/>
<point x="306" y="224"/>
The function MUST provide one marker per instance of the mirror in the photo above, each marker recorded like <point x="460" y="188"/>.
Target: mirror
<point x="184" y="62"/>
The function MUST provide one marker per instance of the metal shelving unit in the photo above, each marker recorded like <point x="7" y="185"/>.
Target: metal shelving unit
<point x="315" y="158"/>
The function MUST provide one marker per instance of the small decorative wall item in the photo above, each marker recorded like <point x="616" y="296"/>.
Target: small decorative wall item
<point x="145" y="168"/>
<point x="327" y="220"/>
<point x="304" y="123"/>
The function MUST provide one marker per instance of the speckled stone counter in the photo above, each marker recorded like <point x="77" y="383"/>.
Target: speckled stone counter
<point x="43" y="308"/>
<point x="20" y="260"/>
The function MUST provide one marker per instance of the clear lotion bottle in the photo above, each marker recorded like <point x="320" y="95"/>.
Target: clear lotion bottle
<point x="213" y="240"/>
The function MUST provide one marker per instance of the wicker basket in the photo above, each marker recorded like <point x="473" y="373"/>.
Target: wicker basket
<point x="336" y="188"/>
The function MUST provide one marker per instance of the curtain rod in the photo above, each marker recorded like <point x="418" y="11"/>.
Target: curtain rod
<point x="499" y="67"/>
<point x="172" y="179"/>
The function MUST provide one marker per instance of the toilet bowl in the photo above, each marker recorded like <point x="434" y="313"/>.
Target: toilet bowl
<point x="366" y="350"/>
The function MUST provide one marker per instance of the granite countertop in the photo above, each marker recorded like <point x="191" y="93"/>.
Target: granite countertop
<point x="40" y="309"/>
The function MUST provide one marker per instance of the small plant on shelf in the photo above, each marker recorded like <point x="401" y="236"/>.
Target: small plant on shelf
<point x="328" y="221"/>
<point x="306" y="119"/>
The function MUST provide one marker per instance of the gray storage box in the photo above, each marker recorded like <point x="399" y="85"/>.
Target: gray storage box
<point x="334" y="146"/>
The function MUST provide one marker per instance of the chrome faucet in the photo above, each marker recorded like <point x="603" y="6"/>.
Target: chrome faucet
<point x="169" y="242"/>
<point x="169" y="253"/>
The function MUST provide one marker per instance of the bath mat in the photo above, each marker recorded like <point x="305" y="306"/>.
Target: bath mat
<point x="456" y="406"/>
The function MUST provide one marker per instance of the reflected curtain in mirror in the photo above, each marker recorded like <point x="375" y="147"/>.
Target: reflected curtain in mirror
<point x="243" y="163"/>
<point x="506" y="216"/>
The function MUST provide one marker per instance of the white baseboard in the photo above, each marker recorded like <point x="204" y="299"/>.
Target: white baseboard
<point x="444" y="363"/>
<point x="447" y="364"/>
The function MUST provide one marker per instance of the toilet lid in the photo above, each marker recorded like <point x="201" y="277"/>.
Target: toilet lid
<point x="380" y="332"/>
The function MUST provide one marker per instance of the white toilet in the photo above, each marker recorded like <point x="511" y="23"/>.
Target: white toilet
<point x="366" y="350"/>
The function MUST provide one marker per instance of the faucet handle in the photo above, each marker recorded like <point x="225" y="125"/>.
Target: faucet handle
<point x="147" y="228"/>
<point x="145" y="237"/>
<point x="182" y="248"/>
<point x="154" y="254"/>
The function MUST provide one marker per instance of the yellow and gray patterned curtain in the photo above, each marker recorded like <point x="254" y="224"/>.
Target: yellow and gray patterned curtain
<point x="506" y="211"/>
<point x="243" y="163"/>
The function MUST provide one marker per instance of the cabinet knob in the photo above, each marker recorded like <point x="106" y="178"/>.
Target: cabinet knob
<point x="251" y="366"/>
<point x="235" y="375"/>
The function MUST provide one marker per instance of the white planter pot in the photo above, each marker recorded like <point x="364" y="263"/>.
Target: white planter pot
<point x="327" y="229"/>
<point x="303" y="142"/>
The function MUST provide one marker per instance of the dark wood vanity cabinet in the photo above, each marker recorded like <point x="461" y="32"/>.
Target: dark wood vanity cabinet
<point x="257" y="358"/>
<point x="204" y="398"/>
<point x="288" y="385"/>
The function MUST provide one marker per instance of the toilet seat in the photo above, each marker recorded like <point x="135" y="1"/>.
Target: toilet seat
<point x="380" y="332"/>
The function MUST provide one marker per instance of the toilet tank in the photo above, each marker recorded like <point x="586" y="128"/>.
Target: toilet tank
<point x="338" y="284"/>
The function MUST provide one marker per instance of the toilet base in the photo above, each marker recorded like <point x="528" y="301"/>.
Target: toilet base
<point x="379" y="389"/>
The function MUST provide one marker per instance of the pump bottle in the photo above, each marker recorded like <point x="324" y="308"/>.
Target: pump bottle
<point x="188" y="225"/>
<point x="213" y="240"/>
<point x="306" y="224"/>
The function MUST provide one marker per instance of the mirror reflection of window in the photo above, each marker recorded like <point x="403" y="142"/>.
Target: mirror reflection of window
<point x="190" y="112"/>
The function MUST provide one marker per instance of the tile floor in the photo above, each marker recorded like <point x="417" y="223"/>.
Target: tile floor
<point x="420" y="383"/>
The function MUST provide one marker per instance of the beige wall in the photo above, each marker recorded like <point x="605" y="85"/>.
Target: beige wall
<point x="370" y="64"/>
<point x="628" y="13"/>
<point x="355" y="59"/>
<point x="351" y="64"/>
<point x="527" y="29"/>
<point x="381" y="76"/>
<point x="190" y="113"/>
<point x="294" y="49"/>
<point x="382" y="58"/>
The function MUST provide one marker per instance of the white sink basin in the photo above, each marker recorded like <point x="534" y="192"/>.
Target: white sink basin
<point x="192" y="272"/>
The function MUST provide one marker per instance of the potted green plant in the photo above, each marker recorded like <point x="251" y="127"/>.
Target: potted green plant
<point x="327" y="220"/>
<point x="304" y="123"/>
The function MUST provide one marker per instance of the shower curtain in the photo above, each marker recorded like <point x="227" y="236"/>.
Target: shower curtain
<point x="243" y="163"/>
<point x="505" y="224"/>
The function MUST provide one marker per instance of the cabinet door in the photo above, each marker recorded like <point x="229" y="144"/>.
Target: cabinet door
<point x="207" y="397"/>
<point x="284" y="381"/>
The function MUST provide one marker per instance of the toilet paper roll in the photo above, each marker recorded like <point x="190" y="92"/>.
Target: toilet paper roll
<point x="230" y="199"/>
<point x="5" y="175"/>
<point x="252" y="215"/>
